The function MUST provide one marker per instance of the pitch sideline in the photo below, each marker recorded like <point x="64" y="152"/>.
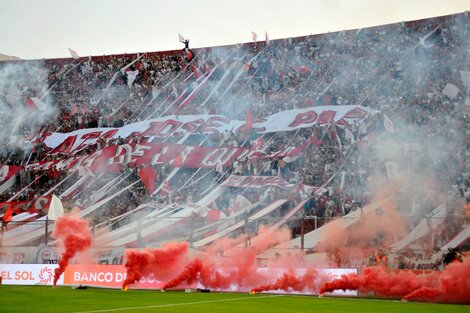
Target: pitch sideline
<point x="176" y="304"/>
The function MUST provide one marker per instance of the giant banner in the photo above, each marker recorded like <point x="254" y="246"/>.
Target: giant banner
<point x="7" y="171"/>
<point x="111" y="159"/>
<point x="180" y="125"/>
<point x="38" y="205"/>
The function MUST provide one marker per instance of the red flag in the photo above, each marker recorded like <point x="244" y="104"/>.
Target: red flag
<point x="298" y="149"/>
<point x="8" y="216"/>
<point x="178" y="161"/>
<point x="148" y="175"/>
<point x="165" y="188"/>
<point x="35" y="104"/>
<point x="258" y="143"/>
<point x="249" y="121"/>
<point x="195" y="71"/>
<point x="313" y="139"/>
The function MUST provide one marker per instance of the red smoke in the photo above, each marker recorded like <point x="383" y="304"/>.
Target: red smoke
<point x="450" y="285"/>
<point x="290" y="282"/>
<point x="190" y="274"/>
<point x="224" y="266"/>
<point x="74" y="235"/>
<point x="162" y="263"/>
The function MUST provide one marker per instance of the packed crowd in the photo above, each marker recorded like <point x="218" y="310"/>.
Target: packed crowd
<point x="400" y="70"/>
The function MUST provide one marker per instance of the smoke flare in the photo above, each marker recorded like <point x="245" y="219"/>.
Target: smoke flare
<point x="448" y="286"/>
<point x="75" y="236"/>
<point x="162" y="263"/>
<point x="290" y="282"/>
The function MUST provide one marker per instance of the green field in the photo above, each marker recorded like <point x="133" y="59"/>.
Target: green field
<point x="67" y="300"/>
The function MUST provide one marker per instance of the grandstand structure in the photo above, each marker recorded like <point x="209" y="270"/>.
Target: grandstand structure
<point x="326" y="135"/>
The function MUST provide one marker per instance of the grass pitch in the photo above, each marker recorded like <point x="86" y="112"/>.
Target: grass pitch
<point x="33" y="299"/>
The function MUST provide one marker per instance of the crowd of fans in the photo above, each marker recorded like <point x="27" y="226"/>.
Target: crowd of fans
<point x="399" y="70"/>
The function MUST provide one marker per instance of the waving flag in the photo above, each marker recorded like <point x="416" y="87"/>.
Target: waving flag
<point x="148" y="175"/>
<point x="131" y="75"/>
<point x="268" y="42"/>
<point x="74" y="54"/>
<point x="8" y="216"/>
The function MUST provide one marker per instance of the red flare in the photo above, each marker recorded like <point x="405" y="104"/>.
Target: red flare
<point x="290" y="282"/>
<point x="162" y="263"/>
<point x="448" y="286"/>
<point x="189" y="274"/>
<point x="75" y="236"/>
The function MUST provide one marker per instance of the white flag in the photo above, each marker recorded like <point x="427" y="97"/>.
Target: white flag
<point x="254" y="36"/>
<point x="56" y="209"/>
<point x="39" y="104"/>
<point x="450" y="90"/>
<point x="131" y="75"/>
<point x="465" y="79"/>
<point x="268" y="42"/>
<point x="388" y="124"/>
<point x="219" y="168"/>
<point x="74" y="54"/>
<point x="180" y="37"/>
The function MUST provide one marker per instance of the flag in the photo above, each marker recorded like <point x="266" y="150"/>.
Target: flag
<point x="388" y="124"/>
<point x="165" y="188"/>
<point x="180" y="38"/>
<point x="249" y="121"/>
<point x="219" y="168"/>
<point x="74" y="54"/>
<point x="35" y="104"/>
<point x="8" y="216"/>
<point x="195" y="71"/>
<point x="465" y="75"/>
<point x="349" y="135"/>
<point x="56" y="209"/>
<point x="450" y="90"/>
<point x="148" y="175"/>
<point x="258" y="143"/>
<point x="254" y="36"/>
<point x="299" y="149"/>
<point x="313" y="139"/>
<point x="175" y="92"/>
<point x="268" y="42"/>
<point x="131" y="75"/>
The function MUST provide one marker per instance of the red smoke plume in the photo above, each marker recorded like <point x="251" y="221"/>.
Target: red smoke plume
<point x="450" y="285"/>
<point x="190" y="274"/>
<point x="233" y="266"/>
<point x="74" y="235"/>
<point x="162" y="263"/>
<point x="290" y="282"/>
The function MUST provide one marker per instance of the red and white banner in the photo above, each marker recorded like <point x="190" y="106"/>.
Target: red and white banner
<point x="38" y="205"/>
<point x="7" y="171"/>
<point x="178" y="126"/>
<point x="111" y="159"/>
<point x="256" y="182"/>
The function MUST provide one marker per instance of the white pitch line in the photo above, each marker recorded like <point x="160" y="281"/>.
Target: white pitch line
<point x="177" y="304"/>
